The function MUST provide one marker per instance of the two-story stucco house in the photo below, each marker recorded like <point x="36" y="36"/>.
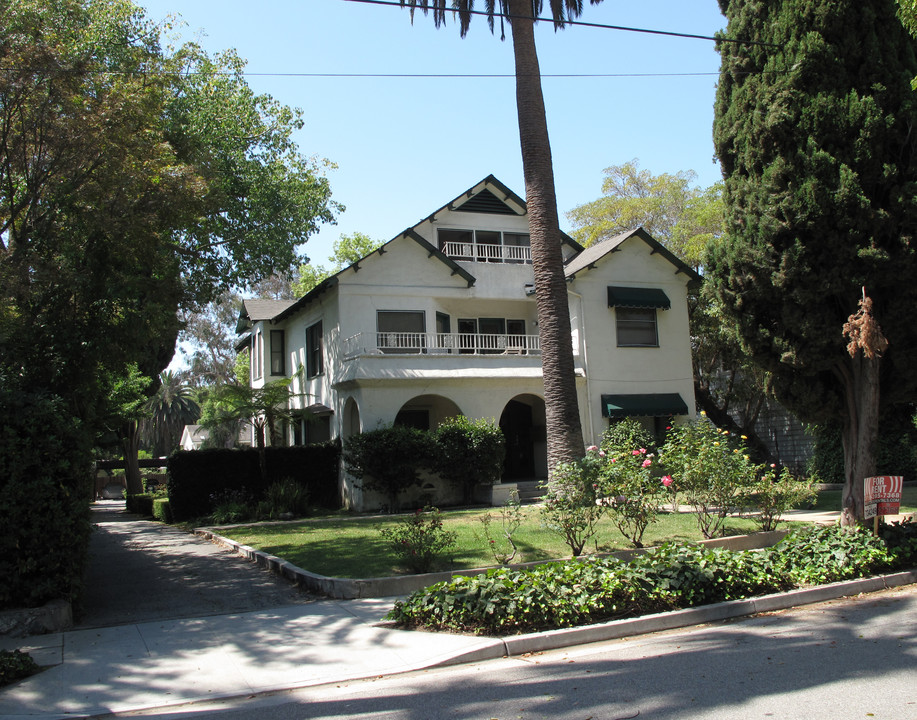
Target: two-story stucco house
<point x="441" y="321"/>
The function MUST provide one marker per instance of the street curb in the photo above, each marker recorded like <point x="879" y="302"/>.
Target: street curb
<point x="515" y="645"/>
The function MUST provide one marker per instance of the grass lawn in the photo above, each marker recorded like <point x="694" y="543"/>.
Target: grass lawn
<point x="352" y="547"/>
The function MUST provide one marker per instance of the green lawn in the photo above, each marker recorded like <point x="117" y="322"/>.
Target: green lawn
<point x="352" y="547"/>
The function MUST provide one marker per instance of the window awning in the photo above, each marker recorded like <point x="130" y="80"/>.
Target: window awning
<point x="319" y="410"/>
<point x="652" y="405"/>
<point x="630" y="297"/>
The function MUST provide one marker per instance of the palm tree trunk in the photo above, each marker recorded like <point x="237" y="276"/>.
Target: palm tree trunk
<point x="565" y="435"/>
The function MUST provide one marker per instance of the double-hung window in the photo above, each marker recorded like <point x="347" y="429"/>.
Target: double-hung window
<point x="315" y="364"/>
<point x="277" y="352"/>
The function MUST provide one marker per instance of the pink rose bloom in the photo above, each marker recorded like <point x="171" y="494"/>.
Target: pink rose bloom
<point x="647" y="462"/>
<point x="635" y="452"/>
<point x="601" y="453"/>
<point x="643" y="451"/>
<point x="592" y="448"/>
<point x="667" y="480"/>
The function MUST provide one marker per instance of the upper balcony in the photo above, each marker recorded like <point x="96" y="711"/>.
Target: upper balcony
<point x="411" y="343"/>
<point x="488" y="252"/>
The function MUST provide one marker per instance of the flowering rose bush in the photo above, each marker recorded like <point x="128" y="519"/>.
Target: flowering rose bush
<point x="571" y="506"/>
<point x="710" y="469"/>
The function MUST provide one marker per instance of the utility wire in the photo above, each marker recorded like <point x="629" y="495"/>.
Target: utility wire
<point x="647" y="31"/>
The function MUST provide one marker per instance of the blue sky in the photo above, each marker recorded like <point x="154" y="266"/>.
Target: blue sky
<point x="404" y="146"/>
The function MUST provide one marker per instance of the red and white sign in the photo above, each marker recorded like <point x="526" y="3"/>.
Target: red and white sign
<point x="882" y="495"/>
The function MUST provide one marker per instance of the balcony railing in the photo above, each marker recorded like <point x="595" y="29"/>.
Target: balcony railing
<point x="440" y="344"/>
<point x="478" y="252"/>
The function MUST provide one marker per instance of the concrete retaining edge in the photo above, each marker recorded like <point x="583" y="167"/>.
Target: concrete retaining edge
<point x="358" y="588"/>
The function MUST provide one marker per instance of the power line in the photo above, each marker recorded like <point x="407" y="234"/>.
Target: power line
<point x="601" y="26"/>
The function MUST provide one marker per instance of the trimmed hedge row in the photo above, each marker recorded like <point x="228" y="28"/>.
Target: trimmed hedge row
<point x="45" y="488"/>
<point x="198" y="477"/>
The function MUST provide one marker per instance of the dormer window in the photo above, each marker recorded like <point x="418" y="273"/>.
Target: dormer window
<point x="485" y="246"/>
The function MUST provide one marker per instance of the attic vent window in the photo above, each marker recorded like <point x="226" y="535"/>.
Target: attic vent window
<point x="486" y="202"/>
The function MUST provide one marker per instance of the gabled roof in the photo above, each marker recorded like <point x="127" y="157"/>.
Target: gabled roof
<point x="592" y="254"/>
<point x="254" y="310"/>
<point x="491" y="196"/>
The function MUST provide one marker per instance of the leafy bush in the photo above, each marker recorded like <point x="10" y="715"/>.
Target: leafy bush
<point x="420" y="541"/>
<point x="16" y="665"/>
<point x="389" y="459"/>
<point x="901" y="540"/>
<point x="818" y="555"/>
<point x="710" y="469"/>
<point x="231" y="507"/>
<point x="45" y="491"/>
<point x="140" y="504"/>
<point x="571" y="507"/>
<point x="161" y="510"/>
<point x="286" y="498"/>
<point x="631" y="491"/>
<point x="773" y="496"/>
<point x="468" y="453"/>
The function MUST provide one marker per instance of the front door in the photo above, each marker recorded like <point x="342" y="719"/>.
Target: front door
<point x="516" y="424"/>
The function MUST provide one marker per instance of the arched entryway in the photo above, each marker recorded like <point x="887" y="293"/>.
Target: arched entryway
<point x="351" y="423"/>
<point x="426" y="412"/>
<point x="524" y="425"/>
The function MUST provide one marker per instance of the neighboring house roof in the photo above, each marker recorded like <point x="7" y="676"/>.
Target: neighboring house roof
<point x="592" y="254"/>
<point x="256" y="310"/>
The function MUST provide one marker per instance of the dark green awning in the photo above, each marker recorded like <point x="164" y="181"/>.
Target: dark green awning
<point x="652" y="405"/>
<point x="630" y="297"/>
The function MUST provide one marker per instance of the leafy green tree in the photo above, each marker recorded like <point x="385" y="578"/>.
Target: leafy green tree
<point x="347" y="250"/>
<point x="814" y="130"/>
<point x="677" y="213"/>
<point x="565" y="434"/>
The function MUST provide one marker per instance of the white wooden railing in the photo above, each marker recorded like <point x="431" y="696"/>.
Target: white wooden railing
<point x="441" y="344"/>
<point x="478" y="252"/>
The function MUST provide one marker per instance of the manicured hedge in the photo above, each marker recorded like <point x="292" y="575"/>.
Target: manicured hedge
<point x="161" y="510"/>
<point x="197" y="478"/>
<point x="45" y="488"/>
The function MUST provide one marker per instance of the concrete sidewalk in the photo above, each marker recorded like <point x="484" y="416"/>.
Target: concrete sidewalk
<point x="156" y="664"/>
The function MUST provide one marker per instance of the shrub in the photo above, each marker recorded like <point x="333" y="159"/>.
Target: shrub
<point x="161" y="510"/>
<point x="571" y="508"/>
<point x="231" y="507"/>
<point x="389" y="459"/>
<point x="285" y="498"/>
<point x="420" y="541"/>
<point x="511" y="516"/>
<point x="817" y="555"/>
<point x="16" y="665"/>
<point x="710" y="469"/>
<point x="773" y="496"/>
<point x="140" y="504"/>
<point x="468" y="453"/>
<point x="45" y="491"/>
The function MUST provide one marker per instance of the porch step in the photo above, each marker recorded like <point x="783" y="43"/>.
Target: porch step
<point x="530" y="491"/>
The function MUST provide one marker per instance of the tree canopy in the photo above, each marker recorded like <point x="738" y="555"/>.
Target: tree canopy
<point x="133" y="183"/>
<point x="814" y="130"/>
<point x="671" y="208"/>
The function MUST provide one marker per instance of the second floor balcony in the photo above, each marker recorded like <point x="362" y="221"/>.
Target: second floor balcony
<point x="486" y="252"/>
<point x="411" y="343"/>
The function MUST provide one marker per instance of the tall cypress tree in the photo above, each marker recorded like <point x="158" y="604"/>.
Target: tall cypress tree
<point x="816" y="132"/>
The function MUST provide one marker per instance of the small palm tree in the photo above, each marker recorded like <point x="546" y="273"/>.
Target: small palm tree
<point x="170" y="409"/>
<point x="565" y="435"/>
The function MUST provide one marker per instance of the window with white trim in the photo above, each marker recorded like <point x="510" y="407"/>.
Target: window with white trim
<point x="636" y="327"/>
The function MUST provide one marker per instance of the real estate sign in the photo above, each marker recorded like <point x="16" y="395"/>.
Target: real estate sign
<point x="882" y="495"/>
